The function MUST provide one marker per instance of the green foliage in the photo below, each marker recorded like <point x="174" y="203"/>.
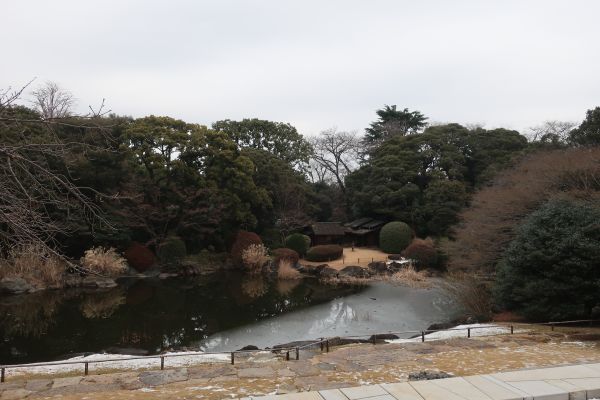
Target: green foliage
<point x="395" y="237"/>
<point x="425" y="178"/>
<point x="550" y="271"/>
<point x="278" y="138"/>
<point x="172" y="250"/>
<point x="394" y="122"/>
<point x="588" y="133"/>
<point x="326" y="252"/>
<point x="243" y="240"/>
<point x="298" y="242"/>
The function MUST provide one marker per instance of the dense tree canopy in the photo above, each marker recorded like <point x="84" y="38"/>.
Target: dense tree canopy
<point x="588" y="133"/>
<point x="393" y="122"/>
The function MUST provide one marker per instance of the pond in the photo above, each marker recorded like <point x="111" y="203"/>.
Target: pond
<point x="220" y="312"/>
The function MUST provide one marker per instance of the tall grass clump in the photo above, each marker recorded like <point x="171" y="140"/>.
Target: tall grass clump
<point x="35" y="264"/>
<point x="103" y="261"/>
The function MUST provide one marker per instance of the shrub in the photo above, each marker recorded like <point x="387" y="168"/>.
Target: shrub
<point x="139" y="257"/>
<point x="298" y="242"/>
<point x="285" y="254"/>
<point x="254" y="257"/>
<point x="172" y="250"/>
<point x="410" y="277"/>
<point x="286" y="271"/>
<point x="422" y="252"/>
<point x="471" y="292"/>
<point x="103" y="261"/>
<point x="35" y="264"/>
<point x="327" y="252"/>
<point x="243" y="239"/>
<point x="550" y="270"/>
<point x="395" y="237"/>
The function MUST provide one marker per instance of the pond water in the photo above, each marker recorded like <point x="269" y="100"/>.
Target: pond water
<point x="220" y="312"/>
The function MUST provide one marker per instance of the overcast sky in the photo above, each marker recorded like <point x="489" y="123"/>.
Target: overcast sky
<point x="315" y="64"/>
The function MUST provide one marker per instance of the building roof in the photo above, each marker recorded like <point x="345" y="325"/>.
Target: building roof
<point x="327" y="229"/>
<point x="364" y="223"/>
<point x="357" y="223"/>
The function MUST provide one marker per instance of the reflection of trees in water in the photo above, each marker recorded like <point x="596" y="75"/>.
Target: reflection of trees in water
<point x="103" y="304"/>
<point x="285" y="287"/>
<point x="30" y="315"/>
<point x="254" y="286"/>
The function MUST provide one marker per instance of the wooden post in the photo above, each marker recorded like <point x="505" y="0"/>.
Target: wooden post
<point x="297" y="353"/>
<point x="86" y="369"/>
<point x="287" y="356"/>
<point x="468" y="332"/>
<point x="422" y="336"/>
<point x="552" y="326"/>
<point x="512" y="330"/>
<point x="162" y="362"/>
<point x="327" y="346"/>
<point x="232" y="358"/>
<point x="2" y="375"/>
<point x="321" y="345"/>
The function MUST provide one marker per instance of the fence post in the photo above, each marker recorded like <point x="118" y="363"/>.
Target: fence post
<point x="374" y="339"/>
<point x="162" y="362"/>
<point x="552" y="326"/>
<point x="2" y="375"/>
<point x="327" y="346"/>
<point x="232" y="357"/>
<point x="321" y="345"/>
<point x="422" y="336"/>
<point x="358" y="262"/>
<point x="468" y="332"/>
<point x="297" y="353"/>
<point x="512" y="330"/>
<point x="86" y="369"/>
<point x="287" y="356"/>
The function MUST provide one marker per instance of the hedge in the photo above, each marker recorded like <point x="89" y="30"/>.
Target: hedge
<point x="172" y="250"/>
<point x="285" y="254"/>
<point x="422" y="252"/>
<point x="395" y="237"/>
<point x="298" y="242"/>
<point x="139" y="257"/>
<point x="327" y="252"/>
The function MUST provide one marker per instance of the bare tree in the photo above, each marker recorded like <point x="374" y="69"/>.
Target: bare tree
<point x="35" y="183"/>
<point x="552" y="132"/>
<point x="337" y="153"/>
<point x="53" y="102"/>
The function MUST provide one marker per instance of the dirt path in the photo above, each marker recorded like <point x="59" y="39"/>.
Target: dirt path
<point x="342" y="367"/>
<point x="361" y="256"/>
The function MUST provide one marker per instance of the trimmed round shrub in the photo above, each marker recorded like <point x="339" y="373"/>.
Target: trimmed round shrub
<point x="285" y="254"/>
<point x="172" y="250"/>
<point x="326" y="252"/>
<point x="298" y="242"/>
<point x="422" y="252"/>
<point x="243" y="240"/>
<point x="139" y="257"/>
<point x="395" y="237"/>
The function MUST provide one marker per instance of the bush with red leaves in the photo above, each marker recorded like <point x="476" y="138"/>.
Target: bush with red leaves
<point x="285" y="254"/>
<point x="243" y="239"/>
<point x="139" y="257"/>
<point x="423" y="252"/>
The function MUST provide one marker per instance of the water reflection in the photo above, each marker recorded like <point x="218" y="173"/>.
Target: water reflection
<point x="145" y="315"/>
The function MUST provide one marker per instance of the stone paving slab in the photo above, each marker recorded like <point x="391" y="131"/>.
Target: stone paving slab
<point x="576" y="382"/>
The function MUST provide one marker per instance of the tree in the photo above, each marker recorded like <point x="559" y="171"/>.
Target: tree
<point x="52" y="102"/>
<point x="392" y="123"/>
<point x="588" y="133"/>
<point x="551" y="270"/>
<point x="278" y="138"/>
<point x="336" y="152"/>
<point x="554" y="133"/>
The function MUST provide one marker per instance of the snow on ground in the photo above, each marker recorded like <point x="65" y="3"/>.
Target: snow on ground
<point x="460" y="331"/>
<point x="122" y="362"/>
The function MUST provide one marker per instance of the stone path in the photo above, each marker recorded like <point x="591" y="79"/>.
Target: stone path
<point x="576" y="382"/>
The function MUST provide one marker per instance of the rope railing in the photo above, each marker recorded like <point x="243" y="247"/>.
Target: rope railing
<point x="324" y="343"/>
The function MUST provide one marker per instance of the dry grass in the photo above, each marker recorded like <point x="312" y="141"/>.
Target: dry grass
<point x="471" y="292"/>
<point x="409" y="276"/>
<point x="102" y="305"/>
<point x="104" y="261"/>
<point x="287" y="272"/>
<point x="254" y="287"/>
<point x="254" y="257"/>
<point x="361" y="256"/>
<point x="285" y="287"/>
<point x="35" y="264"/>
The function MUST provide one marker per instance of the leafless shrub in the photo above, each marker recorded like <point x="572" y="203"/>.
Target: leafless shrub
<point x="408" y="276"/>
<point x="34" y="263"/>
<point x="104" y="261"/>
<point x="287" y="272"/>
<point x="345" y="280"/>
<point x="470" y="291"/>
<point x="254" y="257"/>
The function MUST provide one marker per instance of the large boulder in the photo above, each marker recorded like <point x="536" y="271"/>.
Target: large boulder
<point x="355" y="271"/>
<point x="328" y="272"/>
<point x="14" y="286"/>
<point x="378" y="267"/>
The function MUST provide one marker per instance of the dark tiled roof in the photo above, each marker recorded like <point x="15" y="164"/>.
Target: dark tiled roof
<point x="328" y="229"/>
<point x="373" y="224"/>
<point x="357" y="223"/>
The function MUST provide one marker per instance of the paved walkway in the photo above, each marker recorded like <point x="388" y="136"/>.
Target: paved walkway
<point x="576" y="382"/>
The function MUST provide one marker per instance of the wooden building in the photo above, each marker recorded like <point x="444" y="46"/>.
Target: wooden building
<point x="363" y="232"/>
<point x="325" y="233"/>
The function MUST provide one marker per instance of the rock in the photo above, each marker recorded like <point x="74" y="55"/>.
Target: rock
<point x="328" y="272"/>
<point x="165" y="275"/>
<point x="38" y="385"/>
<point x="249" y="347"/>
<point x="355" y="271"/>
<point x="585" y="337"/>
<point x="378" y="267"/>
<point x="428" y="375"/>
<point x="15" y="394"/>
<point x="156" y="378"/>
<point x="14" y="286"/>
<point x="382" y="337"/>
<point x="395" y="257"/>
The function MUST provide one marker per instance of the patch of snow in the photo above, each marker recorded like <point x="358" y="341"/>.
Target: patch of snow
<point x="460" y="331"/>
<point x="121" y="362"/>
